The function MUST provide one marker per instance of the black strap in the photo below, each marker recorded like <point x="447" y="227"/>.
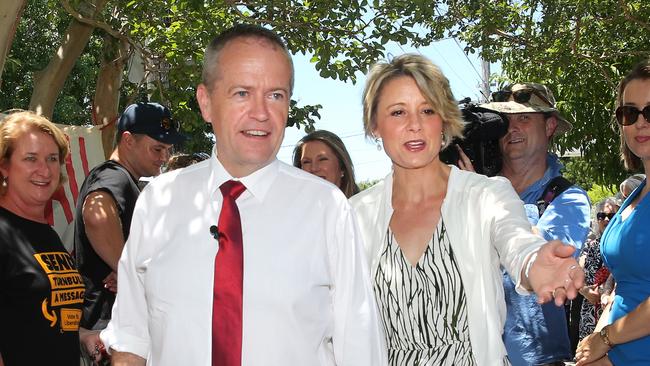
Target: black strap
<point x="554" y="188"/>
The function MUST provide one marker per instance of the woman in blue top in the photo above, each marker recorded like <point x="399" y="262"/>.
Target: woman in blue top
<point x="626" y="242"/>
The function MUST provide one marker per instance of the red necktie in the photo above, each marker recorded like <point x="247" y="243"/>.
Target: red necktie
<point x="228" y="281"/>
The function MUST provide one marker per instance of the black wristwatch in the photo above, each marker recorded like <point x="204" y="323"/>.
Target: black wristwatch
<point x="604" y="335"/>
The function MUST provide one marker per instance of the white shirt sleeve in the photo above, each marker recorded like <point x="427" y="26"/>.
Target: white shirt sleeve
<point x="128" y="328"/>
<point x="358" y="334"/>
<point x="511" y="232"/>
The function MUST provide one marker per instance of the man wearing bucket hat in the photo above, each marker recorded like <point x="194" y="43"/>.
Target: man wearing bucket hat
<point x="538" y="334"/>
<point x="145" y="135"/>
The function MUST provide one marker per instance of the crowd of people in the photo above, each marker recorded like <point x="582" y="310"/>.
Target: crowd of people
<point x="235" y="258"/>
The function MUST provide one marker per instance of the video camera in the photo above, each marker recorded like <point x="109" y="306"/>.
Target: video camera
<point x="480" y="142"/>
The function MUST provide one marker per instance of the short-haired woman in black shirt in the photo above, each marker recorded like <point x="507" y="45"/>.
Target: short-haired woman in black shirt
<point x="41" y="292"/>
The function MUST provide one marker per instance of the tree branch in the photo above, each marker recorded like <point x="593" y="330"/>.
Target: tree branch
<point x="514" y="39"/>
<point x="161" y="89"/>
<point x="601" y="67"/>
<point x="288" y="24"/>
<point x="105" y="27"/>
<point x="629" y="16"/>
<point x="576" y="39"/>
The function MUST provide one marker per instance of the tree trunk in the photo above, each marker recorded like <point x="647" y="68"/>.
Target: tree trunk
<point x="49" y="81"/>
<point x="10" y="13"/>
<point x="107" y="91"/>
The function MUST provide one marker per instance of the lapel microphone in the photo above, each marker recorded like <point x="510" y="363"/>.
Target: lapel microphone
<point x="214" y="231"/>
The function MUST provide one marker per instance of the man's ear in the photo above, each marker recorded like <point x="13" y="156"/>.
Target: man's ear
<point x="203" y="97"/>
<point x="551" y="126"/>
<point x="128" y="139"/>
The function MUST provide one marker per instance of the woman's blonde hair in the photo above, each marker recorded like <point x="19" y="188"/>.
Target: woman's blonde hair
<point x="15" y="124"/>
<point x="432" y="83"/>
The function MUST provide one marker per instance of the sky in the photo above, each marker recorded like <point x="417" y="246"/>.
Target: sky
<point x="342" y="111"/>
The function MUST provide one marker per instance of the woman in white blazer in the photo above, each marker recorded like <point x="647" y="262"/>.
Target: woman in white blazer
<point x="436" y="236"/>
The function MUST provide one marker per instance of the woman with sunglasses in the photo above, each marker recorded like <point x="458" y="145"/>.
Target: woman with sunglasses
<point x="595" y="272"/>
<point x="626" y="242"/>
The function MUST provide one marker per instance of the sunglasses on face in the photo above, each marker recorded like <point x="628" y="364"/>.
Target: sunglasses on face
<point x="627" y="115"/>
<point x="601" y="216"/>
<point x="519" y="96"/>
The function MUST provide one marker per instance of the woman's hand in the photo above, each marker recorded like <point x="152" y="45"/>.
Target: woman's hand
<point x="555" y="274"/>
<point x="110" y="282"/>
<point x="591" y="294"/>
<point x="590" y="349"/>
<point x="463" y="161"/>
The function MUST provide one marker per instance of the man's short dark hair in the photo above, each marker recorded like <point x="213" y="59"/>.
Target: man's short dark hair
<point x="211" y="56"/>
<point x="119" y="134"/>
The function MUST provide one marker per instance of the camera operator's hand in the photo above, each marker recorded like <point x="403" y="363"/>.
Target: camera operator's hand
<point x="463" y="162"/>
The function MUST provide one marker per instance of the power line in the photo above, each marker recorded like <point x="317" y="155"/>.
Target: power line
<point x="463" y="52"/>
<point x="467" y="58"/>
<point x="353" y="135"/>
<point x="452" y="68"/>
<point x="443" y="59"/>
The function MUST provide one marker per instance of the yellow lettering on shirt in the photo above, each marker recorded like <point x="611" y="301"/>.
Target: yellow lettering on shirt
<point x="67" y="288"/>
<point x="65" y="280"/>
<point x="70" y="319"/>
<point x="59" y="262"/>
<point x="66" y="297"/>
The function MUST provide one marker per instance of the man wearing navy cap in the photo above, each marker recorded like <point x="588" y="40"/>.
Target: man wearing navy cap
<point x="145" y="135"/>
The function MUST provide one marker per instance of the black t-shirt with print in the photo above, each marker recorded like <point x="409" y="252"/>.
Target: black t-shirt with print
<point x="41" y="294"/>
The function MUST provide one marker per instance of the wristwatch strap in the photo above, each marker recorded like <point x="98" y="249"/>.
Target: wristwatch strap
<point x="604" y="335"/>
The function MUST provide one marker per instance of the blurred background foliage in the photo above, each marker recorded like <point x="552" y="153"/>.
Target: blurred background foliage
<point x="580" y="48"/>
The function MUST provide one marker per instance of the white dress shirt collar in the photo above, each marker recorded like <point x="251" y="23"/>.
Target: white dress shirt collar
<point x="257" y="183"/>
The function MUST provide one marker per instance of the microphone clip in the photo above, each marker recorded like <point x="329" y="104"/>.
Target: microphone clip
<point x="214" y="231"/>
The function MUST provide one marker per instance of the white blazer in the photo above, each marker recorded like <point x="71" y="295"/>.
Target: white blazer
<point x="487" y="228"/>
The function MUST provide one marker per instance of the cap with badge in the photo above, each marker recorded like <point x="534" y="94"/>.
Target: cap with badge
<point x="527" y="98"/>
<point x="151" y="119"/>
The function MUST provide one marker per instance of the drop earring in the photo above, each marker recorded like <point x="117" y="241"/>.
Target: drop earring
<point x="4" y="182"/>
<point x="378" y="143"/>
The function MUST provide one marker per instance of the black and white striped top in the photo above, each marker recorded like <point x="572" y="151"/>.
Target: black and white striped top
<point x="423" y="307"/>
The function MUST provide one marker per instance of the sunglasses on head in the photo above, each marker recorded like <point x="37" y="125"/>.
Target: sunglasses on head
<point x="601" y="216"/>
<point x="627" y="115"/>
<point x="519" y="96"/>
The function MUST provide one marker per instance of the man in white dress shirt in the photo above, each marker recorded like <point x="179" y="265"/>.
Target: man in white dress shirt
<point x="307" y="298"/>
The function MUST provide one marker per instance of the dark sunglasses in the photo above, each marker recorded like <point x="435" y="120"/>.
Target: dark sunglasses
<point x="519" y="96"/>
<point x="601" y="216"/>
<point x="627" y="115"/>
